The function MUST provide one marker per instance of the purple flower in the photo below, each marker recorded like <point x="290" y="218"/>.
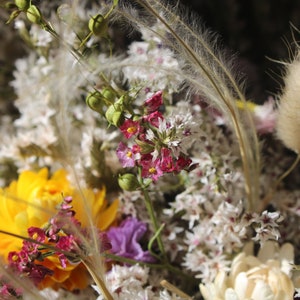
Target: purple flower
<point x="126" y="156"/>
<point x="125" y="240"/>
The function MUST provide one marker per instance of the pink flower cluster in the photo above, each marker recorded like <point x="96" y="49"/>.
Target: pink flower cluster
<point x="152" y="134"/>
<point x="25" y="260"/>
<point x="61" y="237"/>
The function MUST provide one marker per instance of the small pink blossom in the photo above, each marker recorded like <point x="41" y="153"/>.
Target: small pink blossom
<point x="130" y="128"/>
<point x="153" y="118"/>
<point x="151" y="169"/>
<point x="126" y="155"/>
<point x="154" y="102"/>
<point x="37" y="234"/>
<point x="265" y="117"/>
<point x="166" y="163"/>
<point x="182" y="163"/>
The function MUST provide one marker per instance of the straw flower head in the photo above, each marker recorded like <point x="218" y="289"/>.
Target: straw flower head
<point x="266" y="276"/>
<point x="32" y="200"/>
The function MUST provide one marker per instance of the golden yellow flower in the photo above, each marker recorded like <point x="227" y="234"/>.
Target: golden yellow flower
<point x="33" y="199"/>
<point x="267" y="276"/>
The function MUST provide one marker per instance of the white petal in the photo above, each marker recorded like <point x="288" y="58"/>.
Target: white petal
<point x="230" y="294"/>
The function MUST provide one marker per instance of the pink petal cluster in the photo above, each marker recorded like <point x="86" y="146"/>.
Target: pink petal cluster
<point x="153" y="155"/>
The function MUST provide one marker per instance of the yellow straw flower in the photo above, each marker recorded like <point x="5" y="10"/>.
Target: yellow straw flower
<point x="32" y="201"/>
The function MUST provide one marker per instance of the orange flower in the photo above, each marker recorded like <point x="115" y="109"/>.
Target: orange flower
<point x="32" y="201"/>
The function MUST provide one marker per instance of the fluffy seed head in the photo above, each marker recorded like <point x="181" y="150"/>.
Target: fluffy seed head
<point x="288" y="122"/>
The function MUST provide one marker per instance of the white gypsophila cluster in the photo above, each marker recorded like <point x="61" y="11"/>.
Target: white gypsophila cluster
<point x="53" y="117"/>
<point x="151" y="65"/>
<point x="131" y="282"/>
<point x="211" y="204"/>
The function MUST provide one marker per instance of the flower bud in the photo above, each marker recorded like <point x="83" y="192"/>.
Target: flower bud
<point x="144" y="146"/>
<point x="95" y="101"/>
<point x="34" y="15"/>
<point x="98" y="25"/>
<point x="22" y="4"/>
<point x="128" y="182"/>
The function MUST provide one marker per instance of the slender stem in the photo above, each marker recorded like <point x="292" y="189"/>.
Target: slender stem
<point x="150" y="210"/>
<point x="174" y="289"/>
<point x="268" y="197"/>
<point x="167" y="266"/>
<point x="100" y="283"/>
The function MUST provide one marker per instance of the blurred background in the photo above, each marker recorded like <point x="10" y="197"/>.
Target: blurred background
<point x="257" y="31"/>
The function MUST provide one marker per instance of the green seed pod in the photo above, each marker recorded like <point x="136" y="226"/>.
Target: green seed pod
<point x="118" y="118"/>
<point x="98" y="25"/>
<point x="95" y="101"/>
<point x="114" y="114"/>
<point x="22" y="4"/>
<point x="34" y="15"/>
<point x="108" y="94"/>
<point x="128" y="182"/>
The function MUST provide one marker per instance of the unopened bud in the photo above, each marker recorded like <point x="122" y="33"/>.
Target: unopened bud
<point x="34" y="15"/>
<point x="145" y="147"/>
<point x="128" y="182"/>
<point x="98" y="25"/>
<point x="22" y="4"/>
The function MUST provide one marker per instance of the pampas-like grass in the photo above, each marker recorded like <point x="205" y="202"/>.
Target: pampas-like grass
<point x="205" y="71"/>
<point x="288" y="122"/>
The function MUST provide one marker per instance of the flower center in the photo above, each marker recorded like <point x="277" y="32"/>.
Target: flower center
<point x="152" y="170"/>
<point x="131" y="129"/>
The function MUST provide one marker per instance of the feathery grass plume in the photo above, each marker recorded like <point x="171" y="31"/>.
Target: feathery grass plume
<point x="288" y="121"/>
<point x="61" y="89"/>
<point x="205" y="72"/>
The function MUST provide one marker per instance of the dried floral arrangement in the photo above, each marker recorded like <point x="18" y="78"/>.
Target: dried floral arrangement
<point x="142" y="173"/>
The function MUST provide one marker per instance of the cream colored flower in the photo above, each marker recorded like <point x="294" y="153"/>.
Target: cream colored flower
<point x="265" y="277"/>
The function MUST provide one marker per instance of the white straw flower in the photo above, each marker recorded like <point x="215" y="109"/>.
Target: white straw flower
<point x="267" y="276"/>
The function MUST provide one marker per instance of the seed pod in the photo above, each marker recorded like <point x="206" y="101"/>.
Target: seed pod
<point x="114" y="114"/>
<point x="128" y="182"/>
<point x="22" y="4"/>
<point x="98" y="25"/>
<point x="108" y="94"/>
<point x="95" y="101"/>
<point x="34" y="15"/>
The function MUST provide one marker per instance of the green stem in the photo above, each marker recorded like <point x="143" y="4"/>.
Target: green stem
<point x="164" y="266"/>
<point x="150" y="210"/>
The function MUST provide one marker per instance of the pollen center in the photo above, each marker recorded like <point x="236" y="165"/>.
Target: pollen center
<point x="152" y="170"/>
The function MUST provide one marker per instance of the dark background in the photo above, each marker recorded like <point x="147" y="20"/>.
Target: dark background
<point x="256" y="31"/>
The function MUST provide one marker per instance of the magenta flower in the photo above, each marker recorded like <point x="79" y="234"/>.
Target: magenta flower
<point x="154" y="102"/>
<point x="7" y="291"/>
<point x="37" y="234"/>
<point x="126" y="155"/>
<point x="130" y="128"/>
<point x="125" y="240"/>
<point x="150" y="169"/>
<point x="153" y="118"/>
<point x="182" y="163"/>
<point x="166" y="162"/>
